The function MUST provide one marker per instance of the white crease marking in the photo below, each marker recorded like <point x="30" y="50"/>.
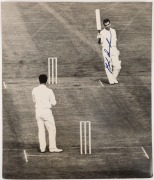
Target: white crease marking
<point x="4" y="85"/>
<point x="101" y="83"/>
<point x="146" y="155"/>
<point x="25" y="156"/>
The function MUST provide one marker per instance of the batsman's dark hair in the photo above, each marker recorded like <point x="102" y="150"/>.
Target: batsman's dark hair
<point x="43" y="78"/>
<point x="106" y="20"/>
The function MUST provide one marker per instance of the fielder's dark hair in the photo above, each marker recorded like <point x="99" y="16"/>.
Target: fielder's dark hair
<point x="106" y="20"/>
<point x="43" y="78"/>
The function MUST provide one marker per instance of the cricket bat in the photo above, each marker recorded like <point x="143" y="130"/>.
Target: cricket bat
<point x="98" y="23"/>
<point x="98" y="20"/>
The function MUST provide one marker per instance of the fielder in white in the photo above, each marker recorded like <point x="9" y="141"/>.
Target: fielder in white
<point x="44" y="99"/>
<point x="108" y="39"/>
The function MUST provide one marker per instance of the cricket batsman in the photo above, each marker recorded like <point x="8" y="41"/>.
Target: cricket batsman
<point x="108" y="39"/>
<point x="44" y="99"/>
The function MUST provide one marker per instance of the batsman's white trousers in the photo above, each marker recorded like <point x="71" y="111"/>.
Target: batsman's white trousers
<point x="112" y="63"/>
<point x="45" y="119"/>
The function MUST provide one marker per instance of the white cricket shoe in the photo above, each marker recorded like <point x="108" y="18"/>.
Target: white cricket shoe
<point x="111" y="82"/>
<point x="42" y="151"/>
<point x="115" y="81"/>
<point x="55" y="150"/>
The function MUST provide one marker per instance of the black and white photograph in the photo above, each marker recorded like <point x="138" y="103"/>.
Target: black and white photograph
<point x="76" y="89"/>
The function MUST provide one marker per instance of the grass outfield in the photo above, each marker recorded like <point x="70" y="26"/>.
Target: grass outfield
<point x="37" y="31"/>
<point x="119" y="131"/>
<point x="120" y="114"/>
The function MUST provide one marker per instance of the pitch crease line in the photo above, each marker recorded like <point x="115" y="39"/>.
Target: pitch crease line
<point x="121" y="147"/>
<point x="4" y="85"/>
<point x="101" y="83"/>
<point x="25" y="156"/>
<point x="145" y="152"/>
<point x="40" y="155"/>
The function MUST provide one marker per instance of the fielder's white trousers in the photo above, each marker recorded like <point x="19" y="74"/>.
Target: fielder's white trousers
<point x="45" y="119"/>
<point x="112" y="63"/>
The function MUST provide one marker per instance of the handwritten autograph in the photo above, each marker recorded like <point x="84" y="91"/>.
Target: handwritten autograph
<point x="108" y="65"/>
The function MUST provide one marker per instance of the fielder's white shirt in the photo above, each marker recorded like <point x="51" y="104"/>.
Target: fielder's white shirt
<point x="108" y="36"/>
<point x="43" y="97"/>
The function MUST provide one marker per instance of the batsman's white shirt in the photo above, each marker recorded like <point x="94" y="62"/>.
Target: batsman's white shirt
<point x="43" y="97"/>
<point x="110" y="35"/>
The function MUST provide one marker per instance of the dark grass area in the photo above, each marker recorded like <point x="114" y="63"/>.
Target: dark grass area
<point x="120" y="114"/>
<point x="109" y="163"/>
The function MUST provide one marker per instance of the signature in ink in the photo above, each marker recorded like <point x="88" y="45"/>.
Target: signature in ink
<point x="107" y="65"/>
<point x="108" y="52"/>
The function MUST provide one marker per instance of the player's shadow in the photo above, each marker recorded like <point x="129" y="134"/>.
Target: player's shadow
<point x="104" y="81"/>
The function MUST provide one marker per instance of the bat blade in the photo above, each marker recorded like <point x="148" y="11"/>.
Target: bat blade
<point x="98" y="19"/>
